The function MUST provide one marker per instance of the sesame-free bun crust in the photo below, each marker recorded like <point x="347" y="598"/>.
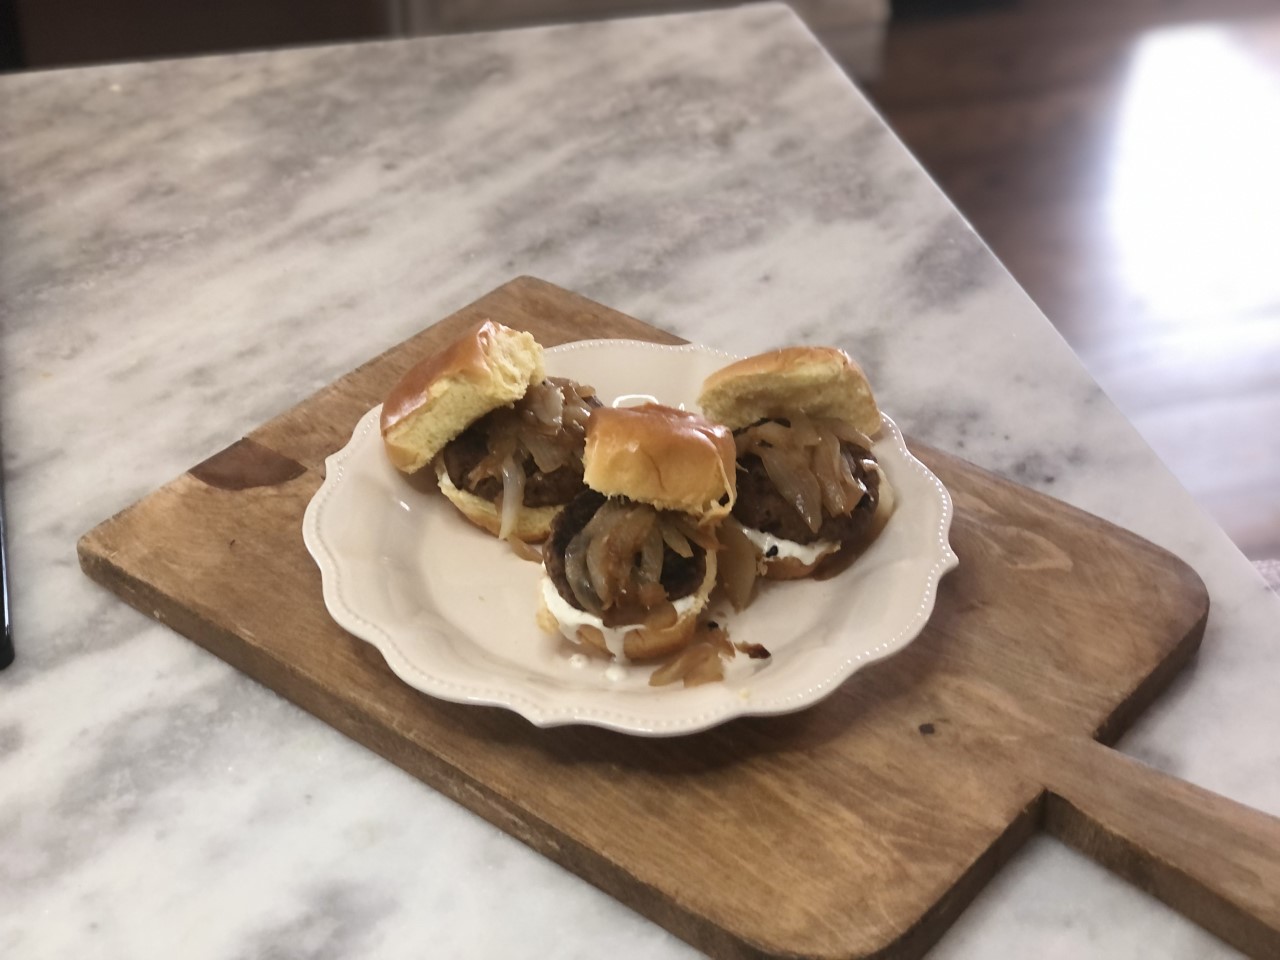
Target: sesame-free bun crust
<point x="817" y="381"/>
<point x="672" y="459"/>
<point x="490" y="366"/>
<point x="642" y="643"/>
<point x="532" y="523"/>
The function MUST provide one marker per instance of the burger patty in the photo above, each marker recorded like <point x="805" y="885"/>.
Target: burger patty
<point x="761" y="506"/>
<point x="540" y="489"/>
<point x="680" y="576"/>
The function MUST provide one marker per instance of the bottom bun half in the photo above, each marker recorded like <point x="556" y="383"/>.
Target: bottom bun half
<point x="532" y="523"/>
<point x="637" y="642"/>
<point x="792" y="568"/>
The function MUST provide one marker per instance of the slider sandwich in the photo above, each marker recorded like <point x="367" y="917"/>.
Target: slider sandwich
<point x="808" y="483"/>
<point x="505" y="441"/>
<point x="631" y="561"/>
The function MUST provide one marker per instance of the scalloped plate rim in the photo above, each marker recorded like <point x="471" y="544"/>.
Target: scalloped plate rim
<point x="544" y="709"/>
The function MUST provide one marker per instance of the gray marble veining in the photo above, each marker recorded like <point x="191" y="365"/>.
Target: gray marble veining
<point x="188" y="247"/>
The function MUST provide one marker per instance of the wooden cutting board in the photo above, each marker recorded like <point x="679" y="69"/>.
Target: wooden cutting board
<point x="860" y="827"/>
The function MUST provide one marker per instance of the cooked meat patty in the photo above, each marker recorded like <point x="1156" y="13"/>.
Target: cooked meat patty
<point x="540" y="489"/>
<point x="680" y="577"/>
<point x="760" y="505"/>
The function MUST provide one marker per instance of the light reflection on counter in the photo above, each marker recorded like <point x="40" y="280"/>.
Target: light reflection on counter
<point x="1194" y="193"/>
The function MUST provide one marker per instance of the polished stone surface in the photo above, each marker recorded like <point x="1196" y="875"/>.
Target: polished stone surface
<point x="189" y="247"/>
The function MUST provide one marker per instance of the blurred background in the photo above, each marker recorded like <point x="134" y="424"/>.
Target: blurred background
<point x="1122" y="157"/>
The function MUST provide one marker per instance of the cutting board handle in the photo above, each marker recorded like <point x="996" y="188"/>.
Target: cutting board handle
<point x="1215" y="861"/>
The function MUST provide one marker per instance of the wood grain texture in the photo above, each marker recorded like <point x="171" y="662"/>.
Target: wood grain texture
<point x="1215" y="861"/>
<point x="858" y="828"/>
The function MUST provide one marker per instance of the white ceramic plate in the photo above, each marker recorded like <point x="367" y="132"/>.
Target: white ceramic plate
<point x="452" y="609"/>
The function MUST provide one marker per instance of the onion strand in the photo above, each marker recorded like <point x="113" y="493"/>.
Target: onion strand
<point x="544" y="431"/>
<point x="614" y="564"/>
<point x="512" y="497"/>
<point x="816" y="465"/>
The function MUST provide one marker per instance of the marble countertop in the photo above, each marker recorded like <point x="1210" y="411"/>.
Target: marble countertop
<point x="189" y="247"/>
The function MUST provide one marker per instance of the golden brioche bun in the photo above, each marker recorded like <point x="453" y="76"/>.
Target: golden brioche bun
<point x="489" y="367"/>
<point x="817" y="381"/>
<point x="672" y="459"/>
<point x="639" y="643"/>
<point x="532" y="523"/>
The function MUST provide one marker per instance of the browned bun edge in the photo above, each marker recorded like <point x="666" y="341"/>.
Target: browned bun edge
<point x="547" y="621"/>
<point x="533" y="524"/>
<point x="488" y="367"/>
<point x="642" y="643"/>
<point x="817" y="381"/>
<point x="673" y="459"/>
<point x="645" y="643"/>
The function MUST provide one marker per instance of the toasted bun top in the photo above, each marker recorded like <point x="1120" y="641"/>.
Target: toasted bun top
<point x="670" y="458"/>
<point x="817" y="381"/>
<point x="488" y="367"/>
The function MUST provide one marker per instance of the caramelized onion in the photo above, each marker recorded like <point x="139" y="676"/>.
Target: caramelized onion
<point x="795" y="481"/>
<point x="705" y="667"/>
<point x="646" y="604"/>
<point x="617" y="535"/>
<point x="614" y="564"/>
<point x="695" y="665"/>
<point x="548" y="453"/>
<point x="846" y="432"/>
<point x="502" y="441"/>
<point x="703" y="660"/>
<point x="718" y="637"/>
<point x="512" y="496"/>
<point x="544" y="402"/>
<point x="674" y="539"/>
<point x="525" y="551"/>
<point x="736" y="563"/>
<point x="575" y="570"/>
<point x="804" y="431"/>
<point x="574" y="420"/>
<point x="597" y="533"/>
<point x="662" y="615"/>
<point x="651" y="556"/>
<point x="624" y="544"/>
<point x="770" y="432"/>
<point x="808" y="463"/>
<point x="830" y="469"/>
<point x="547" y="427"/>
<point x="886" y="503"/>
<point x="704" y="537"/>
<point x="669" y="672"/>
<point x="576" y="410"/>
<point x="840" y="561"/>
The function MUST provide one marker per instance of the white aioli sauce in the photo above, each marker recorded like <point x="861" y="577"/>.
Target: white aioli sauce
<point x="571" y="618"/>
<point x="804" y="552"/>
